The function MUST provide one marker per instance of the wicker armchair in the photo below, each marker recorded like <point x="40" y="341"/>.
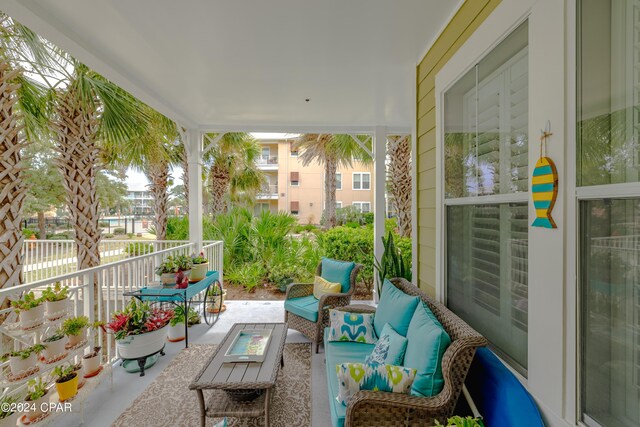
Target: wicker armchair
<point x="314" y="330"/>
<point x="375" y="408"/>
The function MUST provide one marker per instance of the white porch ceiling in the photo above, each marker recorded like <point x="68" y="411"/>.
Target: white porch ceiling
<point x="252" y="63"/>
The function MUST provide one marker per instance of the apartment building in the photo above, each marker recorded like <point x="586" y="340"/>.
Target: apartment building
<point x="299" y="190"/>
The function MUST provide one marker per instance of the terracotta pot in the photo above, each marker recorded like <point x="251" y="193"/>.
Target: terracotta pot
<point x="32" y="317"/>
<point x="55" y="348"/>
<point x="19" y="365"/>
<point x="77" y="339"/>
<point x="198" y="272"/>
<point x="91" y="364"/>
<point x="168" y="278"/>
<point x="176" y="333"/>
<point x="135" y="346"/>
<point x="56" y="309"/>
<point x="67" y="389"/>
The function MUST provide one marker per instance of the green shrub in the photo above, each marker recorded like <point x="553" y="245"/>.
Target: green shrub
<point x="108" y="235"/>
<point x="119" y="231"/>
<point x="65" y="235"/>
<point x="298" y="229"/>
<point x="138" y="248"/>
<point x="404" y="246"/>
<point x="352" y="225"/>
<point x="103" y="224"/>
<point x="367" y="218"/>
<point x="247" y="275"/>
<point x="27" y="233"/>
<point x="350" y="244"/>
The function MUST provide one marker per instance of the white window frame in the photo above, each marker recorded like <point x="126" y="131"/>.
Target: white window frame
<point x="338" y="204"/>
<point x="360" y="206"/>
<point x="338" y="174"/>
<point x="361" y="175"/>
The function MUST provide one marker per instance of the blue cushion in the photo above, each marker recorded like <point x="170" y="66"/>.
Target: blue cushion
<point x="337" y="352"/>
<point x="306" y="307"/>
<point x="427" y="343"/>
<point x="395" y="308"/>
<point x="389" y="349"/>
<point x="338" y="272"/>
<point x="499" y="396"/>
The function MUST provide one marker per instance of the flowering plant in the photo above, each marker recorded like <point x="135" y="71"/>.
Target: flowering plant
<point x="198" y="259"/>
<point x="138" y="318"/>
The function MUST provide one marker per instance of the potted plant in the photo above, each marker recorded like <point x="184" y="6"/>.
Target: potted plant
<point x="91" y="362"/>
<point x="176" y="325"/>
<point x="30" y="310"/>
<point x="200" y="265"/>
<point x="139" y="330"/>
<point x="8" y="415"/>
<point x="23" y="361"/>
<point x="37" y="394"/>
<point x="56" y="301"/>
<point x="458" y="421"/>
<point x="76" y="329"/>
<point x="218" y="299"/>
<point x="66" y="382"/>
<point x="54" y="345"/>
<point x="171" y="266"/>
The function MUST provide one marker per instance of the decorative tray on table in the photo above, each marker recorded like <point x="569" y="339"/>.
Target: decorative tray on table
<point x="249" y="345"/>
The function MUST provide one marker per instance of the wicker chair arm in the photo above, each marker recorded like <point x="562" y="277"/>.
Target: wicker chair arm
<point x="296" y="290"/>
<point x="357" y="308"/>
<point x="383" y="408"/>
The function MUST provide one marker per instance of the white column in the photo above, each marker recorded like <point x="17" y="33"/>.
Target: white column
<point x="193" y="145"/>
<point x="379" y="187"/>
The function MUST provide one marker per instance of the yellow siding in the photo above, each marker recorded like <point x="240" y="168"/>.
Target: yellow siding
<point x="468" y="18"/>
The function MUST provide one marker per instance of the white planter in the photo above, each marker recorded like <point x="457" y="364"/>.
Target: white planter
<point x="176" y="333"/>
<point x="56" y="309"/>
<point x="19" y="366"/>
<point x="33" y="414"/>
<point x="198" y="272"/>
<point x="77" y="339"/>
<point x="135" y="346"/>
<point x="32" y="317"/>
<point x="55" y="348"/>
<point x="168" y="278"/>
<point x="90" y="365"/>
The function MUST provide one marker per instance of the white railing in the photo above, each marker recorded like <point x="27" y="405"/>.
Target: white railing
<point x="267" y="160"/>
<point x="49" y="258"/>
<point x="214" y="252"/>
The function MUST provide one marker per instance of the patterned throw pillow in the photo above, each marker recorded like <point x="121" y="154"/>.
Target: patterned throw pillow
<point x="353" y="377"/>
<point x="322" y="286"/>
<point x="347" y="326"/>
<point x="389" y="349"/>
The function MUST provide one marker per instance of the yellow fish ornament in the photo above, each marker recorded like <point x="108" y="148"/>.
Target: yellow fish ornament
<point x="544" y="187"/>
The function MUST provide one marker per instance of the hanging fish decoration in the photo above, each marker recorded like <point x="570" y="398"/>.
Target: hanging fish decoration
<point x="544" y="187"/>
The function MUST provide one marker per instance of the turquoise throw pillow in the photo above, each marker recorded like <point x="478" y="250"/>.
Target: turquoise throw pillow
<point x="389" y="349"/>
<point x="427" y="342"/>
<point x="338" y="272"/>
<point x="357" y="327"/>
<point x="395" y="308"/>
<point x="353" y="377"/>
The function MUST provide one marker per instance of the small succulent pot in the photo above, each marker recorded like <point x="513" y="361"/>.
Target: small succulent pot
<point x="168" y="278"/>
<point x="38" y="409"/>
<point x="198" y="272"/>
<point x="56" y="309"/>
<point x="218" y="302"/>
<point x="176" y="332"/>
<point x="54" y="349"/>
<point x="19" y="365"/>
<point x="67" y="389"/>
<point x="32" y="317"/>
<point x="91" y="363"/>
<point x="74" y="340"/>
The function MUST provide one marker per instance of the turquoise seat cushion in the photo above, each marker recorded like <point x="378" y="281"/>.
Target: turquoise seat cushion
<point x="306" y="307"/>
<point x="395" y="308"/>
<point x="427" y="342"/>
<point x="336" y="353"/>
<point x="389" y="349"/>
<point x="338" y="272"/>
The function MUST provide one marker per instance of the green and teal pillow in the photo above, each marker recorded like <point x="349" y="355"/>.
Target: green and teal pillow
<point x="389" y="349"/>
<point x="356" y="327"/>
<point x="353" y="377"/>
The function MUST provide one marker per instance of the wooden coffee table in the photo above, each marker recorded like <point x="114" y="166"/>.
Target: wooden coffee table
<point x="240" y="377"/>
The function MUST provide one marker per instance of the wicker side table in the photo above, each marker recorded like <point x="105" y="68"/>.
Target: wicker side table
<point x="220" y="377"/>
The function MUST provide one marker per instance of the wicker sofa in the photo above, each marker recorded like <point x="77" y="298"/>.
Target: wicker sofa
<point x="375" y="408"/>
<point x="315" y="317"/>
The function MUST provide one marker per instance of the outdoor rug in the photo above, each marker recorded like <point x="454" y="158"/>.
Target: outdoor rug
<point x="169" y="402"/>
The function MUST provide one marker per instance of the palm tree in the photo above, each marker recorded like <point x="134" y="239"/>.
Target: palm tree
<point x="399" y="180"/>
<point x="85" y="112"/>
<point x="233" y="174"/>
<point x="331" y="151"/>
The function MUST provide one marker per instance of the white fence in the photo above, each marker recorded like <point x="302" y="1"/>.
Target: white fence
<point x="43" y="259"/>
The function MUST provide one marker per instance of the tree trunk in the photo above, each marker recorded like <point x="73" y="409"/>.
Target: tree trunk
<point x="399" y="150"/>
<point x="42" y="225"/>
<point x="185" y="180"/>
<point x="12" y="187"/>
<point x="330" y="169"/>
<point x="219" y="185"/>
<point x="75" y="126"/>
<point x="158" y="174"/>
